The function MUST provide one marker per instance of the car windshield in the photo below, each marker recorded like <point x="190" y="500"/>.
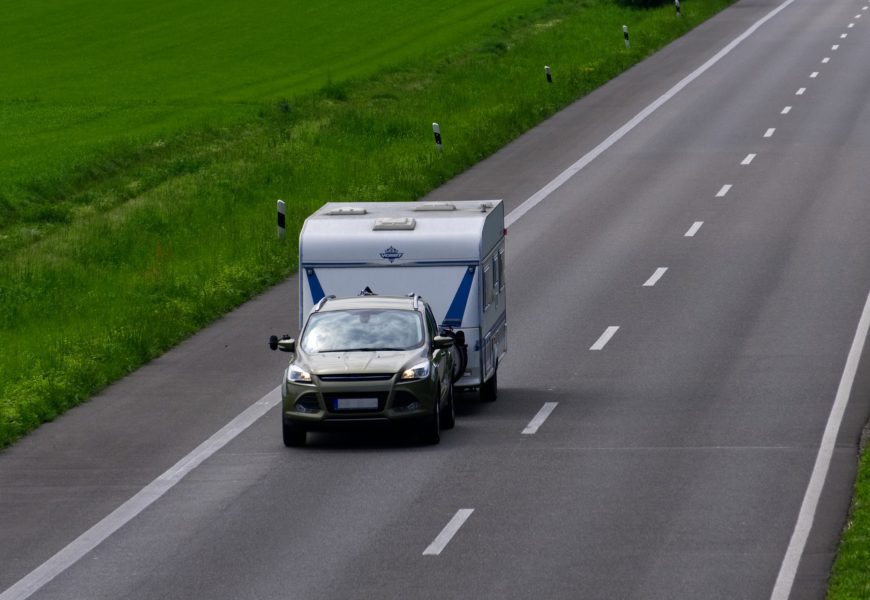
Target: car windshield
<point x="360" y="330"/>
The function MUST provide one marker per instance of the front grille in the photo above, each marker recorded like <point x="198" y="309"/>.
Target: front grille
<point x="332" y="401"/>
<point x="357" y="377"/>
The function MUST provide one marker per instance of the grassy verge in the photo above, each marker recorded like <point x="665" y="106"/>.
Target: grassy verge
<point x="850" y="577"/>
<point x="98" y="78"/>
<point x="159" y="238"/>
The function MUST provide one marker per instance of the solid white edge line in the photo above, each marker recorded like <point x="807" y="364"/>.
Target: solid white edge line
<point x="788" y="570"/>
<point x="440" y="542"/>
<point x="723" y="190"/>
<point x="605" y="337"/>
<point x="539" y="418"/>
<point x="91" y="538"/>
<point x="693" y="229"/>
<point x="654" y="279"/>
<point x="620" y="133"/>
<point x="122" y="515"/>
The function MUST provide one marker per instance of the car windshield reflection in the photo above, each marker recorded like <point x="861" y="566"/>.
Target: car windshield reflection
<point x="362" y="330"/>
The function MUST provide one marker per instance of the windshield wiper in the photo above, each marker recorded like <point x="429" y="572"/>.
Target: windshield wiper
<point x="364" y="350"/>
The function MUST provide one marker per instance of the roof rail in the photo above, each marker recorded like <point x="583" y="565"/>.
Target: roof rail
<point x="323" y="300"/>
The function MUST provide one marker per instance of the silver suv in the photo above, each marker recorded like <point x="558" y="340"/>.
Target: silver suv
<point x="367" y="360"/>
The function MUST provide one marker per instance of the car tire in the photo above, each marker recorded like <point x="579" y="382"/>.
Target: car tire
<point x="431" y="426"/>
<point x="489" y="389"/>
<point x="294" y="436"/>
<point x="448" y="417"/>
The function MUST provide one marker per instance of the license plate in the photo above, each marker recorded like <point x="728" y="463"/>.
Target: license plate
<point x="356" y="403"/>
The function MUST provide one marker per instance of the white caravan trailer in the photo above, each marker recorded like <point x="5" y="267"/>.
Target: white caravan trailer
<point x="451" y="253"/>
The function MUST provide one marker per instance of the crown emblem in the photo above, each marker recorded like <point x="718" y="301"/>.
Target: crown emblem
<point x="391" y="254"/>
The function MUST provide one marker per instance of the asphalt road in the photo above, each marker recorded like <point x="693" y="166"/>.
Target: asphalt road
<point x="687" y="300"/>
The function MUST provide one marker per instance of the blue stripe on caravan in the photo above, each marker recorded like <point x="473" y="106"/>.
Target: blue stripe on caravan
<point x="314" y="283"/>
<point x="457" y="307"/>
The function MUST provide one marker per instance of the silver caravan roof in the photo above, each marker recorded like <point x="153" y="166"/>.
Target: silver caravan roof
<point x="401" y="233"/>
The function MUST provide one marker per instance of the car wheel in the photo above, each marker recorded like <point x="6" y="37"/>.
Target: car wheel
<point x="431" y="427"/>
<point x="489" y="389"/>
<point x="294" y="436"/>
<point x="448" y="419"/>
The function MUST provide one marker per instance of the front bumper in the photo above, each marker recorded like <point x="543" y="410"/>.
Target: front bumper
<point x="333" y="402"/>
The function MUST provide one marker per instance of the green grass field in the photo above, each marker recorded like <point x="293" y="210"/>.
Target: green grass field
<point x="99" y="78"/>
<point x="850" y="578"/>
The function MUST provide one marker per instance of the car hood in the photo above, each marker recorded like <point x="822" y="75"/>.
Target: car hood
<point x="338" y="363"/>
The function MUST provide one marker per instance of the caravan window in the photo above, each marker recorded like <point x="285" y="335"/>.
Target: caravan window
<point x="487" y="286"/>
<point x="501" y="268"/>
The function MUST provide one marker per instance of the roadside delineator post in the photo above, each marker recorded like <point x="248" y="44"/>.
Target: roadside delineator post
<point x="549" y="75"/>
<point x="625" y="35"/>
<point x="282" y="220"/>
<point x="436" y="129"/>
<point x="677" y="4"/>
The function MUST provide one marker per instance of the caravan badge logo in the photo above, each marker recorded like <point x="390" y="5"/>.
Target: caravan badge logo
<point x="391" y="254"/>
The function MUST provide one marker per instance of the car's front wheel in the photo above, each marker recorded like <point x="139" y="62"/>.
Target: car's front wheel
<point x="294" y="436"/>
<point x="431" y="426"/>
<point x="448" y="418"/>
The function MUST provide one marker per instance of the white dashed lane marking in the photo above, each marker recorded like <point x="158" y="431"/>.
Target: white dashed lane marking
<point x="814" y="74"/>
<point x="605" y="337"/>
<point x="786" y="110"/>
<point x="835" y="46"/>
<point x="748" y="160"/>
<point x="539" y="418"/>
<point x="826" y="60"/>
<point x="693" y="229"/>
<point x="654" y="279"/>
<point x="769" y="132"/>
<point x="440" y="542"/>
<point x="800" y="92"/>
<point x="724" y="190"/>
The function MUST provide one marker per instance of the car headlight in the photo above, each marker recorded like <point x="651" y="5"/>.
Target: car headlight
<point x="420" y="371"/>
<point x="297" y="375"/>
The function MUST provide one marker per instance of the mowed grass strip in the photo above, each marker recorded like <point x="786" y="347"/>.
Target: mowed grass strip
<point x="87" y="80"/>
<point x="850" y="577"/>
<point x="169" y="235"/>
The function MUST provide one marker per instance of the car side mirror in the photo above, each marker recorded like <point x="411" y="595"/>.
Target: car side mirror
<point x="442" y="342"/>
<point x="285" y="344"/>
